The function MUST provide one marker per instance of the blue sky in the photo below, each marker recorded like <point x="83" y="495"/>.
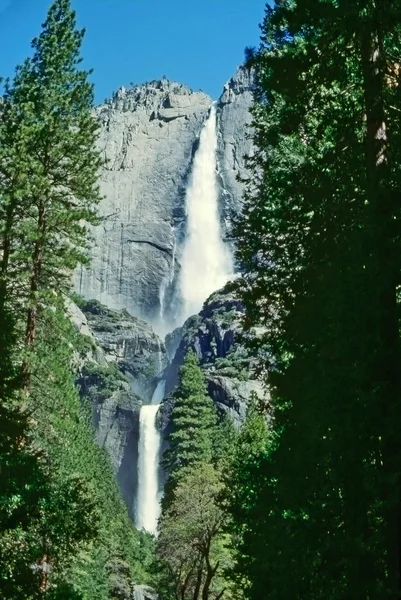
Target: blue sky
<point x="196" y="42"/>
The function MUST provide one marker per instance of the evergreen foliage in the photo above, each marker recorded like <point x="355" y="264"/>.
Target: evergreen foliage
<point x="113" y="552"/>
<point x="193" y="422"/>
<point x="192" y="547"/>
<point x="48" y="166"/>
<point x="64" y="530"/>
<point x="304" y="506"/>
<point x="319" y="246"/>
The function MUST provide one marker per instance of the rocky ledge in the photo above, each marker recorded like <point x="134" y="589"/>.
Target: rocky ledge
<point x="215" y="334"/>
<point x="116" y="375"/>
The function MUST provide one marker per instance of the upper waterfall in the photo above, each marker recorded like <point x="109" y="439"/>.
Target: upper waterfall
<point x="148" y="134"/>
<point x="206" y="263"/>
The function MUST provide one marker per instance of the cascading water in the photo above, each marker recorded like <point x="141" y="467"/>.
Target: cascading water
<point x="206" y="263"/>
<point x="148" y="499"/>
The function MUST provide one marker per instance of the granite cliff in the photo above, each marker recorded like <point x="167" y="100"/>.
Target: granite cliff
<point x="149" y="135"/>
<point x="234" y="143"/>
<point x="216" y="336"/>
<point x="117" y="375"/>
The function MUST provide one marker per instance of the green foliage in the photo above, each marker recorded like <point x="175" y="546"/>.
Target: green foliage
<point x="49" y="167"/>
<point x="64" y="530"/>
<point x="193" y="421"/>
<point x="225" y="440"/>
<point x="226" y="317"/>
<point x="151" y="368"/>
<point x="100" y="382"/>
<point x="253" y="446"/>
<point x="246" y="477"/>
<point x="320" y="254"/>
<point x="235" y="364"/>
<point x="79" y="300"/>
<point x="23" y="490"/>
<point x="192" y="547"/>
<point x="87" y="505"/>
<point x="50" y="190"/>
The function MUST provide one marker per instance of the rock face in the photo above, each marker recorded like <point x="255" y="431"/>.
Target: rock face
<point x="129" y="343"/>
<point x="117" y="376"/>
<point x="149" y="135"/>
<point x="215" y="336"/>
<point x="234" y="142"/>
<point x="125" y="360"/>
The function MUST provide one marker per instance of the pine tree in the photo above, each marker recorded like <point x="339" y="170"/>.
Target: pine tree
<point x="193" y="549"/>
<point x="193" y="421"/>
<point x="64" y="531"/>
<point x="49" y="167"/>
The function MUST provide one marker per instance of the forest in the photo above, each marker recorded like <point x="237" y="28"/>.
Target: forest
<point x="302" y="501"/>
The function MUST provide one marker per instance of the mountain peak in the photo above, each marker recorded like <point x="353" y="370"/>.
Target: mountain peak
<point x="242" y="81"/>
<point x="157" y="93"/>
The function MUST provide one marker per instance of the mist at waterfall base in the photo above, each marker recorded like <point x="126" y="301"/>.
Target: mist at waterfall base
<point x="206" y="266"/>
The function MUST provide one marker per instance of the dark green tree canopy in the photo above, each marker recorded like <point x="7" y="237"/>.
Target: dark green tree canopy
<point x="193" y="420"/>
<point x="319" y="246"/>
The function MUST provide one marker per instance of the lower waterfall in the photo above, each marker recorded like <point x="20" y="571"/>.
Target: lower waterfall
<point x="148" y="499"/>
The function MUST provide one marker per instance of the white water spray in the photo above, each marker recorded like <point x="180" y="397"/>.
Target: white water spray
<point x="148" y="498"/>
<point x="206" y="263"/>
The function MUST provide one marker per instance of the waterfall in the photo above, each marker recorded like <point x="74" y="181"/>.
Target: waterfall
<point x="148" y="499"/>
<point x="206" y="263"/>
<point x="159" y="364"/>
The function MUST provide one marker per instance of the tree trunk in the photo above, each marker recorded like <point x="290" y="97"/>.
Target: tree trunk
<point x="184" y="584"/>
<point x="384" y="275"/>
<point x="31" y="323"/>
<point x="198" y="582"/>
<point x="210" y="573"/>
<point x="5" y="259"/>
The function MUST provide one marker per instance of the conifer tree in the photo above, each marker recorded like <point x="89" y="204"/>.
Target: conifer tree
<point x="55" y="538"/>
<point x="193" y="422"/>
<point x="319" y="243"/>
<point x="49" y="167"/>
